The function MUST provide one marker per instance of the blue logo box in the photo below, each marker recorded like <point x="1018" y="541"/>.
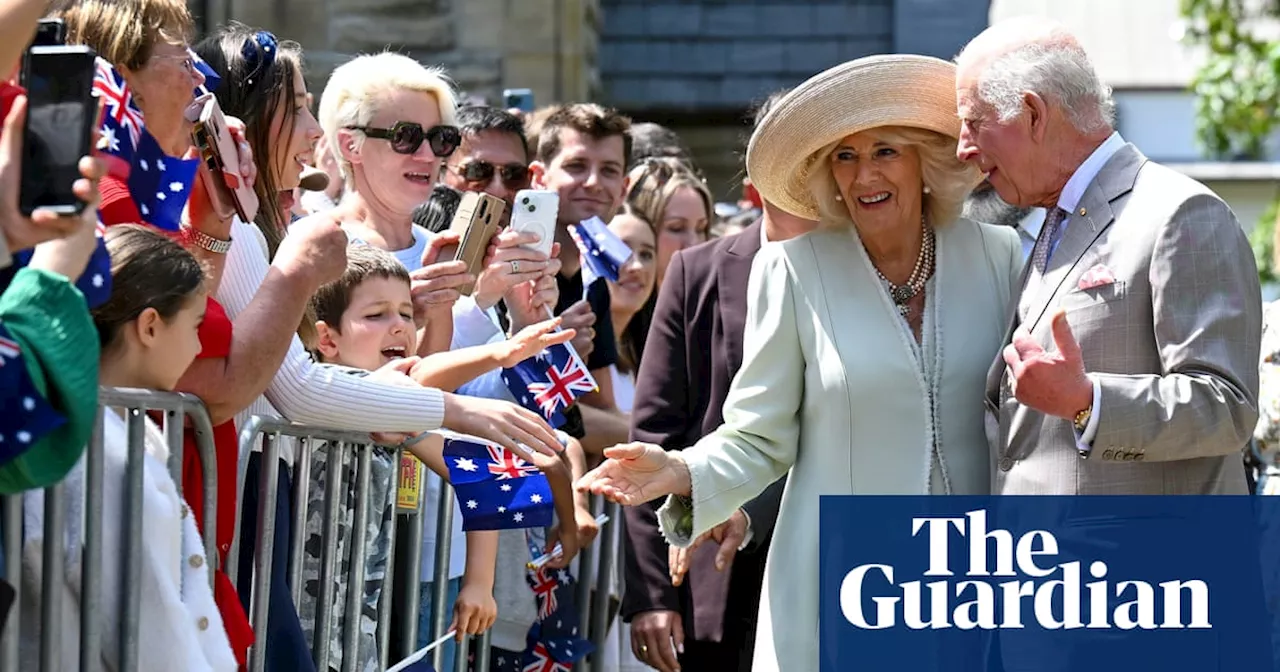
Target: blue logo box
<point x="1048" y="584"/>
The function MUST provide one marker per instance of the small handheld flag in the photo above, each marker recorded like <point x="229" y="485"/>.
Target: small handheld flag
<point x="603" y="252"/>
<point x="211" y="77"/>
<point x="159" y="184"/>
<point x="550" y="382"/>
<point x="496" y="488"/>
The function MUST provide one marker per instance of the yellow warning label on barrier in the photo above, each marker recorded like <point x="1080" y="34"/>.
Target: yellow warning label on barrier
<point x="410" y="483"/>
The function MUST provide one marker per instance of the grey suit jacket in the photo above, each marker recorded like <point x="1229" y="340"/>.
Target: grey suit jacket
<point x="1173" y="342"/>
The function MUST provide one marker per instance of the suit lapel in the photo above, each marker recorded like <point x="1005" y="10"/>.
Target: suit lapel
<point x="996" y="372"/>
<point x="732" y="275"/>
<point x="1091" y="217"/>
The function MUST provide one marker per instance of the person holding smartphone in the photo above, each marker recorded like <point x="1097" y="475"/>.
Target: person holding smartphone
<point x="47" y="265"/>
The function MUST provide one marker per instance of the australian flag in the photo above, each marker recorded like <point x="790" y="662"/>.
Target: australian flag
<point x="554" y="642"/>
<point x="550" y="382"/>
<point x="25" y="415"/>
<point x="122" y="123"/>
<point x="603" y="252"/>
<point x="158" y="183"/>
<point x="496" y="488"/>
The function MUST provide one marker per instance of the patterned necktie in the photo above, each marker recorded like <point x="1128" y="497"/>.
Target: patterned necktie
<point x="1048" y="234"/>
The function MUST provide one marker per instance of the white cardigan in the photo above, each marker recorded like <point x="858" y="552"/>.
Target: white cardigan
<point x="179" y="624"/>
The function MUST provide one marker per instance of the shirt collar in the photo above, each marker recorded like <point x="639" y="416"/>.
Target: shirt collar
<point x="1074" y="190"/>
<point x="1033" y="222"/>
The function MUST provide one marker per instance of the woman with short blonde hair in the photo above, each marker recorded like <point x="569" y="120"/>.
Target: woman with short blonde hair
<point x="357" y="88"/>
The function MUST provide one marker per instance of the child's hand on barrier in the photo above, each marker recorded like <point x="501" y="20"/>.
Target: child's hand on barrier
<point x="588" y="526"/>
<point x="474" y="612"/>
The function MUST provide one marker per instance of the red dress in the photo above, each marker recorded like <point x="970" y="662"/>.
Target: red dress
<point x="117" y="207"/>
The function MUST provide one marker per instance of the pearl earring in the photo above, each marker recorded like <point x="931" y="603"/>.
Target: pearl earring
<point x="927" y="190"/>
<point x="839" y="197"/>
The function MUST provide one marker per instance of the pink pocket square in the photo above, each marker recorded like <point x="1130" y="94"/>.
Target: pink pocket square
<point x="1098" y="276"/>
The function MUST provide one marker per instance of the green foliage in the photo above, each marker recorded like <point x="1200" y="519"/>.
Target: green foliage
<point x="1237" y="92"/>
<point x="1238" y="87"/>
<point x="1262" y="239"/>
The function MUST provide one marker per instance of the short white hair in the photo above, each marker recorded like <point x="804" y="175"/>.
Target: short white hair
<point x="948" y="179"/>
<point x="355" y="89"/>
<point x="1060" y="73"/>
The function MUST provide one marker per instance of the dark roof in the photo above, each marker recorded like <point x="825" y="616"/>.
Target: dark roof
<point x="718" y="54"/>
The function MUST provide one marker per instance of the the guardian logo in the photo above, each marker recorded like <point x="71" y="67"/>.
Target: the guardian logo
<point x="1053" y="595"/>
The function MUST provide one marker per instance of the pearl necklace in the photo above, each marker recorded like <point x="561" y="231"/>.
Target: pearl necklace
<point x="902" y="294"/>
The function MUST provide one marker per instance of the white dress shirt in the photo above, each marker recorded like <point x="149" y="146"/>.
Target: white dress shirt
<point x="1029" y="229"/>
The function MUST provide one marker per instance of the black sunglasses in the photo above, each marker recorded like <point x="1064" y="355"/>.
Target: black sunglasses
<point x="407" y="136"/>
<point x="513" y="174"/>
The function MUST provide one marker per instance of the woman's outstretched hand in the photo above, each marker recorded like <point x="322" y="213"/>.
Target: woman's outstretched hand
<point x="635" y="473"/>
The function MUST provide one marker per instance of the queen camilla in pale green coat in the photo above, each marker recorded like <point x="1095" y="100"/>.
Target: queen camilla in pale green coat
<point x="867" y="341"/>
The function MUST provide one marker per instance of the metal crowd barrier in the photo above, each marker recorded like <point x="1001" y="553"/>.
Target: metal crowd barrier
<point x="178" y="408"/>
<point x="405" y="579"/>
<point x="136" y="404"/>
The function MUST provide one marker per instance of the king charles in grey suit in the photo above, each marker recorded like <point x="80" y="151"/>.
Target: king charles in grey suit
<point x="1131" y="356"/>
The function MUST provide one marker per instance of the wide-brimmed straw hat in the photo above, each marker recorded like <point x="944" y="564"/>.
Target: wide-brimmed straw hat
<point x="887" y="90"/>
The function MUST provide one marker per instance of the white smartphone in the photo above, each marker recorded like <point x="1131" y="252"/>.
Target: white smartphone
<point x="534" y="211"/>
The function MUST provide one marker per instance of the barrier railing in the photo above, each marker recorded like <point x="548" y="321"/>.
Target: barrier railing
<point x="405" y="579"/>
<point x="402" y="572"/>
<point x="135" y="404"/>
<point x="337" y="446"/>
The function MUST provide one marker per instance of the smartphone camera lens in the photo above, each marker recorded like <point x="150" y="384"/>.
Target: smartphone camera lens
<point x="525" y="200"/>
<point x="532" y="208"/>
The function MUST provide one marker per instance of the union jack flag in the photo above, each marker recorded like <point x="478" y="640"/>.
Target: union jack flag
<point x="506" y="465"/>
<point x="495" y="488"/>
<point x="550" y="382"/>
<point x="544" y="591"/>
<point x="122" y="124"/>
<point x="541" y="661"/>
<point x="555" y="635"/>
<point x="8" y="349"/>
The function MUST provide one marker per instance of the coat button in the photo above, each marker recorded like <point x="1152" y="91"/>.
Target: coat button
<point x="203" y="623"/>
<point x="1128" y="457"/>
<point x="1006" y="463"/>
<point x="1139" y="457"/>
<point x="197" y="561"/>
<point x="1108" y="454"/>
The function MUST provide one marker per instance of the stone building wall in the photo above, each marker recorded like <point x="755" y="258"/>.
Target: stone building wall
<point x="549" y="46"/>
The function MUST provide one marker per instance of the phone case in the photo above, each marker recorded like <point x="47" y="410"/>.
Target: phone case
<point x="535" y="211"/>
<point x="228" y="193"/>
<point x="476" y="220"/>
<point x="47" y="133"/>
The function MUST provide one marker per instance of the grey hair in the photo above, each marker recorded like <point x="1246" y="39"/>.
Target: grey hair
<point x="1055" y="71"/>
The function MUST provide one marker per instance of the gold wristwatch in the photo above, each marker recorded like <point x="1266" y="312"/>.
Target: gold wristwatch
<point x="1082" y="418"/>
